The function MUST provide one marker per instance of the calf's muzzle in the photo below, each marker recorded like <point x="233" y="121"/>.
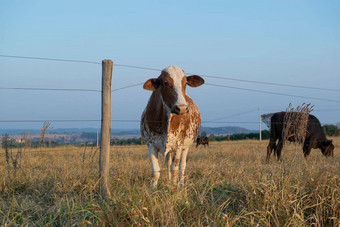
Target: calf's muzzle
<point x="181" y="109"/>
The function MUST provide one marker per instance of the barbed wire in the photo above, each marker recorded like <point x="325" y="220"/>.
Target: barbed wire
<point x="159" y="70"/>
<point x="66" y="89"/>
<point x="61" y="120"/>
<point x="134" y="85"/>
<point x="129" y="86"/>
<point x="49" y="89"/>
<point x="81" y="147"/>
<point x="50" y="59"/>
<point x="273" y="93"/>
<point x="270" y="83"/>
<point x="130" y="121"/>
<point x="269" y="110"/>
<point x="328" y="110"/>
<point x="138" y="67"/>
<point x="233" y="115"/>
<point x="97" y="120"/>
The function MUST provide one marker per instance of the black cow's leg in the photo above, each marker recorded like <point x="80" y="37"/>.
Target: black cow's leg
<point x="306" y="148"/>
<point x="279" y="149"/>
<point x="270" y="147"/>
<point x="269" y="151"/>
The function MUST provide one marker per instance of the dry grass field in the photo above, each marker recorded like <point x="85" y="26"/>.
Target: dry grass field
<point x="227" y="184"/>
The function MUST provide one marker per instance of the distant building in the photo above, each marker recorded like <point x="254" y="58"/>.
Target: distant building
<point x="20" y="140"/>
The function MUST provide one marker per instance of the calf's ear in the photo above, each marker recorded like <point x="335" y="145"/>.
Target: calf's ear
<point x="151" y="84"/>
<point x="194" y="81"/>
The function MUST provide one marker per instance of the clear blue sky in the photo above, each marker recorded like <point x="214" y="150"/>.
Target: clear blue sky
<point x="292" y="42"/>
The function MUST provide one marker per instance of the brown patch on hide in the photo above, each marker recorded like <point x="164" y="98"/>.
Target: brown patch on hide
<point x="176" y="162"/>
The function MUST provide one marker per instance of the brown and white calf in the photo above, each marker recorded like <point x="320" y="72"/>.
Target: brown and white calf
<point x="171" y="121"/>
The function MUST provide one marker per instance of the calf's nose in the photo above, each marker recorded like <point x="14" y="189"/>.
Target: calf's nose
<point x="181" y="109"/>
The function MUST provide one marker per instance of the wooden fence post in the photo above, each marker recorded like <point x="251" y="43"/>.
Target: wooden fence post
<point x="104" y="154"/>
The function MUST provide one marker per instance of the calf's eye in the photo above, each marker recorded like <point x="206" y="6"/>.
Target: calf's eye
<point x="166" y="84"/>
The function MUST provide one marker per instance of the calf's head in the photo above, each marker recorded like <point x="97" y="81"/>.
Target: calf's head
<point x="327" y="148"/>
<point x="171" y="84"/>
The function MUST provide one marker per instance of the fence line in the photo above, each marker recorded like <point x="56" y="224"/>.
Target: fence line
<point x="48" y="89"/>
<point x="273" y="93"/>
<point x="219" y="144"/>
<point x="138" y="67"/>
<point x="134" y="85"/>
<point x="146" y="68"/>
<point x="131" y="121"/>
<point x="159" y="70"/>
<point x="51" y="59"/>
<point x="66" y="89"/>
<point x="233" y="115"/>
<point x="270" y="83"/>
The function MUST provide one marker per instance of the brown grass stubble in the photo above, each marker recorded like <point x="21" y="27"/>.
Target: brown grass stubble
<point x="226" y="184"/>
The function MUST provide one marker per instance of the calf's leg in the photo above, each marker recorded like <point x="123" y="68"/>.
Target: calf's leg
<point x="153" y="154"/>
<point x="183" y="165"/>
<point x="175" y="166"/>
<point x="168" y="160"/>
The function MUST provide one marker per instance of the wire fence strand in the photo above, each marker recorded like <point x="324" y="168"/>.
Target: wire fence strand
<point x="270" y="83"/>
<point x="49" y="89"/>
<point x="113" y="144"/>
<point x="134" y="85"/>
<point x="159" y="70"/>
<point x="215" y="121"/>
<point x="50" y="59"/>
<point x="129" y="121"/>
<point x="138" y="67"/>
<point x="66" y="89"/>
<point x="273" y="93"/>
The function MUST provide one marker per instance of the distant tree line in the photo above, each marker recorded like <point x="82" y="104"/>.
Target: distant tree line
<point x="131" y="141"/>
<point x="331" y="130"/>
<point x="328" y="129"/>
<point x="15" y="144"/>
<point x="89" y="135"/>
<point x="240" y="136"/>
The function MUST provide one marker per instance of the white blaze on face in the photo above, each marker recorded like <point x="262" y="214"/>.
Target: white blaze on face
<point x="177" y="75"/>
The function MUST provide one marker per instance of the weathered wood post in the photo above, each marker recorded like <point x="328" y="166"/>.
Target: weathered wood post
<point x="104" y="154"/>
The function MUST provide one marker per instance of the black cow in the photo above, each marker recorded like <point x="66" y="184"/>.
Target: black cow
<point x="315" y="138"/>
<point x="202" y="140"/>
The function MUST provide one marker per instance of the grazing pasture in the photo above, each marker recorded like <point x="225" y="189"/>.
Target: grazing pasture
<point x="228" y="183"/>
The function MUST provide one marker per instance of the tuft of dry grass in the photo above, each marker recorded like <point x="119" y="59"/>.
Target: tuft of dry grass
<point x="295" y="123"/>
<point x="42" y="134"/>
<point x="227" y="184"/>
